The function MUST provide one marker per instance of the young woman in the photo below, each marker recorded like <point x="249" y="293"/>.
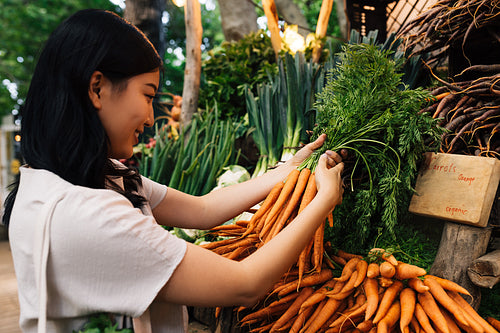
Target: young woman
<point x="85" y="231"/>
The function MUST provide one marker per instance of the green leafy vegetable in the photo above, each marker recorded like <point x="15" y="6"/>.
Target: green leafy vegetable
<point x="365" y="109"/>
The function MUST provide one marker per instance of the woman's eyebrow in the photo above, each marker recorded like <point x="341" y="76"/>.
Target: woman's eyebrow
<point x="153" y="86"/>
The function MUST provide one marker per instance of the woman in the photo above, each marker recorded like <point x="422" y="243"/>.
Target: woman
<point x="86" y="232"/>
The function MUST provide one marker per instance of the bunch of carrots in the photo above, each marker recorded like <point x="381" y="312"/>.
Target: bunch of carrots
<point x="334" y="291"/>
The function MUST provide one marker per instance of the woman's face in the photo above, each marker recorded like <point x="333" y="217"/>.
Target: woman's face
<point x="125" y="112"/>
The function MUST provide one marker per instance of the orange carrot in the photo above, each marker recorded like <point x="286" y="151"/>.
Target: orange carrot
<point x="446" y="301"/>
<point x="448" y="284"/>
<point x="313" y="316"/>
<point x="346" y="316"/>
<point x="287" y="190"/>
<point x="304" y="259"/>
<point x="365" y="326"/>
<point x="383" y="254"/>
<point x="407" y="299"/>
<point x="452" y="325"/>
<point x="408" y="271"/>
<point x="387" y="270"/>
<point x="346" y="290"/>
<point x="293" y="309"/>
<point x="414" y="323"/>
<point x="390" y="318"/>
<point x="309" y="192"/>
<point x="371" y="292"/>
<point x="417" y="285"/>
<point x="361" y="268"/>
<point x="385" y="282"/>
<point x="388" y="298"/>
<point x="285" y="300"/>
<point x="373" y="270"/>
<point x="348" y="256"/>
<point x="293" y="203"/>
<point x="348" y="269"/>
<point x="328" y="310"/>
<point x="339" y="260"/>
<point x="318" y="247"/>
<point x="432" y="310"/>
<point x="300" y="320"/>
<point x="494" y="322"/>
<point x="423" y="319"/>
<point x="330" y="219"/>
<point x="308" y="281"/>
<point x="264" y="208"/>
<point x="318" y="295"/>
<point x="263" y="313"/>
<point x="471" y="313"/>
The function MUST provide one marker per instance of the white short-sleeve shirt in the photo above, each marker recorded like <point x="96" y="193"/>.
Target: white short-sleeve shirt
<point x="105" y="255"/>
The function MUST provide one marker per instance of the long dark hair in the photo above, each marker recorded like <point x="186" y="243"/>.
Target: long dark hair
<point x="60" y="129"/>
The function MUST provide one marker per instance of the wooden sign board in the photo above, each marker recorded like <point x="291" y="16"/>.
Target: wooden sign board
<point x="458" y="188"/>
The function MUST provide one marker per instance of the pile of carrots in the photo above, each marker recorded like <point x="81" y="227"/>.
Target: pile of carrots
<point x="335" y="291"/>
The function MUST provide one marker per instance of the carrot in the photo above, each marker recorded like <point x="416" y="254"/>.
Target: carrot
<point x="371" y="292"/>
<point x="387" y="270"/>
<point x="313" y="316"/>
<point x="346" y="290"/>
<point x="448" y="284"/>
<point x="373" y="270"/>
<point x="388" y="298"/>
<point x="423" y="319"/>
<point x="304" y="259"/>
<point x="287" y="190"/>
<point x="348" y="256"/>
<point x="365" y="326"/>
<point x="408" y="271"/>
<point x="309" y="192"/>
<point x="285" y="300"/>
<point x="266" y="205"/>
<point x="361" y="268"/>
<point x="470" y="312"/>
<point x="308" y="281"/>
<point x="327" y="311"/>
<point x="293" y="309"/>
<point x="390" y="318"/>
<point x="318" y="247"/>
<point x="383" y="254"/>
<point x="493" y="322"/>
<point x="330" y="219"/>
<point x="348" y="269"/>
<point x="292" y="204"/>
<point x="300" y="320"/>
<point x="357" y="312"/>
<point x="432" y="310"/>
<point x="452" y="325"/>
<point x="318" y="295"/>
<point x="414" y="324"/>
<point x="417" y="285"/>
<point x="446" y="301"/>
<point x="216" y="244"/>
<point x="407" y="299"/>
<point x="385" y="282"/>
<point x="263" y="313"/>
<point x="339" y="260"/>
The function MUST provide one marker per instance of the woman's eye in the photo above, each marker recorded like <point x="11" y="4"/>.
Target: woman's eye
<point x="150" y="96"/>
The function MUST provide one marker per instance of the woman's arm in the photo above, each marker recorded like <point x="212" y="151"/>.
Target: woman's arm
<point x="204" y="278"/>
<point x="186" y="211"/>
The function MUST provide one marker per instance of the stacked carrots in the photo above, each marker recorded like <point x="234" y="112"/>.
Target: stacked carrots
<point x="376" y="293"/>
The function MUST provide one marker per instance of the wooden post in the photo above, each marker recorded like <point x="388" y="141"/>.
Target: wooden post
<point x="460" y="245"/>
<point x="192" y="71"/>
<point x="322" y="26"/>
<point x="484" y="272"/>
<point x="272" y="24"/>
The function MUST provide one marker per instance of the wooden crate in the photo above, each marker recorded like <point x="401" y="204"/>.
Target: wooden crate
<point x="457" y="188"/>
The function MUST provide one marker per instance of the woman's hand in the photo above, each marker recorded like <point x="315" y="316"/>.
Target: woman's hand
<point x="329" y="177"/>
<point x="306" y="151"/>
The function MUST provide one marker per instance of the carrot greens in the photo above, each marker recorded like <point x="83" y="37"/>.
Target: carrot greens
<point x="366" y="109"/>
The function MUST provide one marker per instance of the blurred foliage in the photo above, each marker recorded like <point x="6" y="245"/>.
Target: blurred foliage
<point x="25" y="26"/>
<point x="311" y="9"/>
<point x="231" y="66"/>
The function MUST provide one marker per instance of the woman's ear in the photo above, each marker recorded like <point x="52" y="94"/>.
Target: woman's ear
<point x="95" y="85"/>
